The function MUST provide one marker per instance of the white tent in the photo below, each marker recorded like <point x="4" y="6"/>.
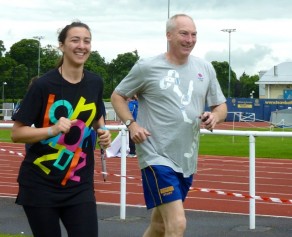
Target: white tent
<point x="281" y="118"/>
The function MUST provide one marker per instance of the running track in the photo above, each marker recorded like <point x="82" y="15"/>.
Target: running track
<point x="227" y="174"/>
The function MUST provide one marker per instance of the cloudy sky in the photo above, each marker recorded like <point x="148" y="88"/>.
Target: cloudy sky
<point x="263" y="36"/>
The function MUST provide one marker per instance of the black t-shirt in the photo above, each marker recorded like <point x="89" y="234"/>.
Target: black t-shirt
<point x="59" y="170"/>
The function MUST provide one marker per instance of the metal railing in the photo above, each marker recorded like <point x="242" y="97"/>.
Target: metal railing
<point x="252" y="141"/>
<point x="6" y="114"/>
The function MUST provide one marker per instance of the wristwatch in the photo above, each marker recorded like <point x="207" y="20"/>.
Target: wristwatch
<point x="129" y="122"/>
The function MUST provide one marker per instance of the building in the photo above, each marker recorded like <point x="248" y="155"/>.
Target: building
<point x="276" y="83"/>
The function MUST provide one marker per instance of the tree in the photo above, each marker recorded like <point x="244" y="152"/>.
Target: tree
<point x="15" y="75"/>
<point x="247" y="86"/>
<point x="49" y="58"/>
<point x="222" y="71"/>
<point x="26" y="52"/>
<point x="18" y="82"/>
<point x="120" y="67"/>
<point x="95" y="60"/>
<point x="97" y="64"/>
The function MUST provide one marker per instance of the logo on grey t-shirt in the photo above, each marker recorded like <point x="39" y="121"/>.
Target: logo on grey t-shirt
<point x="172" y="80"/>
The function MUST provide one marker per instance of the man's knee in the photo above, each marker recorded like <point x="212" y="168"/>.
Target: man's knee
<point x="177" y="225"/>
<point x="158" y="228"/>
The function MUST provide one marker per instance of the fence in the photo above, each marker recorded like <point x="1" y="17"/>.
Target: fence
<point x="252" y="140"/>
<point x="5" y="114"/>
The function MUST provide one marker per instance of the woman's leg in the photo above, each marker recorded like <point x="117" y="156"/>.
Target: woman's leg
<point x="43" y="221"/>
<point x="80" y="220"/>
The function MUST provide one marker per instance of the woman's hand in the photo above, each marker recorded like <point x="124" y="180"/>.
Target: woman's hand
<point x="104" y="137"/>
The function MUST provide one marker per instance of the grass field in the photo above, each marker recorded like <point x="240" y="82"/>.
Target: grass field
<point x="7" y="235"/>
<point x="266" y="147"/>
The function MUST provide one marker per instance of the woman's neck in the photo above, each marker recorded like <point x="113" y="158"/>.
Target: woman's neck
<point x="71" y="74"/>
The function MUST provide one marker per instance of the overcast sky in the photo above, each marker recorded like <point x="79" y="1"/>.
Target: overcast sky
<point x="263" y="36"/>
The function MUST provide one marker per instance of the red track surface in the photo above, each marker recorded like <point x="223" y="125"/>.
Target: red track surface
<point x="227" y="174"/>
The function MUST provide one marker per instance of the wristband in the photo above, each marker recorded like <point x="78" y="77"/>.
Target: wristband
<point x="50" y="132"/>
<point x="103" y="128"/>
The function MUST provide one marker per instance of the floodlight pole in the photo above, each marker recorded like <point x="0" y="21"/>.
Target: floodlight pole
<point x="229" y="71"/>
<point x="39" y="58"/>
<point x="168" y="9"/>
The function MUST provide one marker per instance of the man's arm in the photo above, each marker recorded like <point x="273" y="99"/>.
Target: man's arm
<point x="121" y="107"/>
<point x="217" y="115"/>
<point x="220" y="111"/>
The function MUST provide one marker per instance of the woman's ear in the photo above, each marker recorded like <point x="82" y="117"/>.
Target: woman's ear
<point x="61" y="47"/>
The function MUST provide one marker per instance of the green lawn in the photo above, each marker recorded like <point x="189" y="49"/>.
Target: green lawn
<point x="7" y="235"/>
<point x="265" y="147"/>
<point x="5" y="136"/>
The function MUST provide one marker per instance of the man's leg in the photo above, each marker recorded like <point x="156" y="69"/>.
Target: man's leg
<point x="167" y="220"/>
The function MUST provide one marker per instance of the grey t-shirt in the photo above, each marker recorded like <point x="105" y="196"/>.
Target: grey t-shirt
<point x="171" y="99"/>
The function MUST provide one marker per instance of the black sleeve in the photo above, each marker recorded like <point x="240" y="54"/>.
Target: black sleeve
<point x="30" y="107"/>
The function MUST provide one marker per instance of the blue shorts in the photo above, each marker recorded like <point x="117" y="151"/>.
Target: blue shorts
<point x="161" y="184"/>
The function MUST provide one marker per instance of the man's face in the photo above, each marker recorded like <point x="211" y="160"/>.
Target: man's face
<point x="183" y="37"/>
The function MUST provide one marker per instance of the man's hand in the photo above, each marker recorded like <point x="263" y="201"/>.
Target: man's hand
<point x="209" y="121"/>
<point x="138" y="134"/>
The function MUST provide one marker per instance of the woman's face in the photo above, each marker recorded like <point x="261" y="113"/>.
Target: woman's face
<point x="77" y="46"/>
